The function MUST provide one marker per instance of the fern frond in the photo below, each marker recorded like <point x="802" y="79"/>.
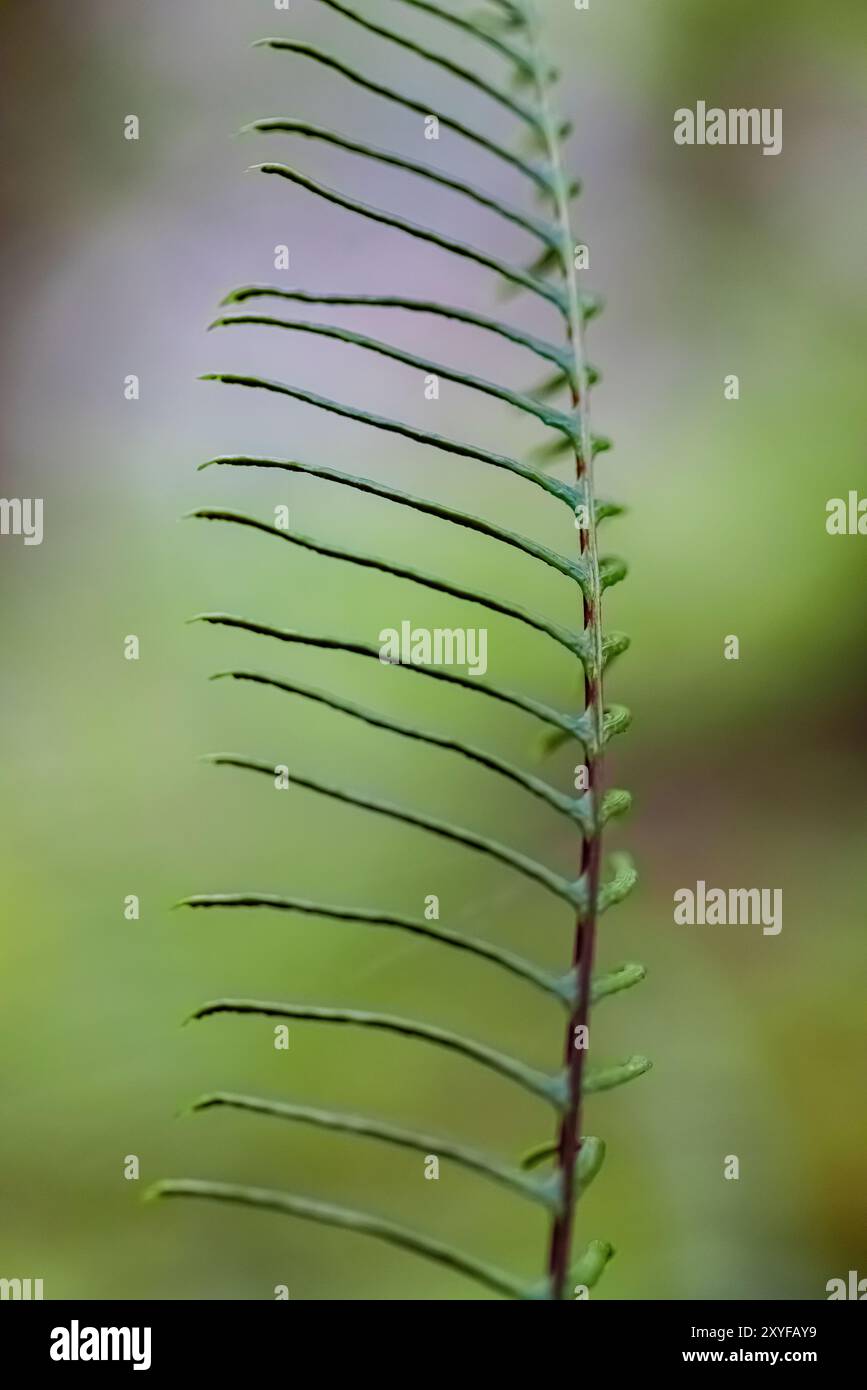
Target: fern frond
<point x="588" y="1270"/>
<point x="606" y="1078"/>
<point x="571" y="568"/>
<point x="365" y="1127"/>
<point x="570" y="726"/>
<point x="468" y="25"/>
<point x="555" y="419"/>
<point x="327" y="1214"/>
<point x="573" y="642"/>
<point x="525" y="279"/>
<point x="287" y="125"/>
<point x="590" y="305"/>
<point x="587" y="1165"/>
<point x="569" y="891"/>
<point x="441" y="60"/>
<point x="578" y="809"/>
<point x="562" y="989"/>
<point x="539" y="176"/>
<point x="624" y="977"/>
<point x="546" y="1086"/>
<point x="511" y="31"/>
<point x="562" y="491"/>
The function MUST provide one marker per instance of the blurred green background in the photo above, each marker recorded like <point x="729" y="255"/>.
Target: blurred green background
<point x="747" y="773"/>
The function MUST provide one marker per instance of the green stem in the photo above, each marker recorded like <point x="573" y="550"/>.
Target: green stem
<point x="569" y="1133"/>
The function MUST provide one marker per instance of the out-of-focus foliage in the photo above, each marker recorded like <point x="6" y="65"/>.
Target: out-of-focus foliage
<point x="745" y="773"/>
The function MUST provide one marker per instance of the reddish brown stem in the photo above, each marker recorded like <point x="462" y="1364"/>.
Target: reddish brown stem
<point x="569" y="1137"/>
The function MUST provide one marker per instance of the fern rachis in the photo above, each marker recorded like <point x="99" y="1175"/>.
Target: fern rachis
<point x="512" y="29"/>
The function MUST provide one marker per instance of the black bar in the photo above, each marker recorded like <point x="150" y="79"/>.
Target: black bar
<point x="225" y="1338"/>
